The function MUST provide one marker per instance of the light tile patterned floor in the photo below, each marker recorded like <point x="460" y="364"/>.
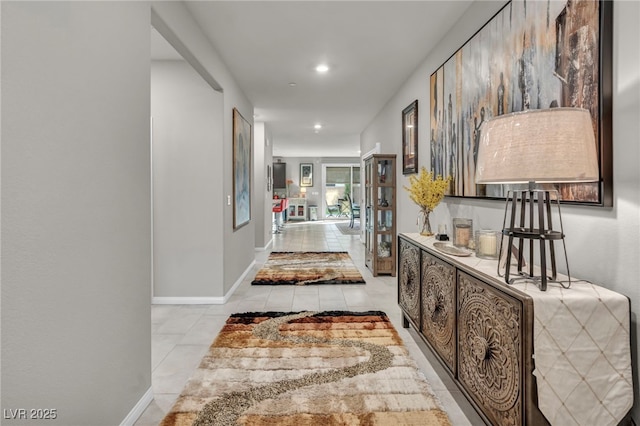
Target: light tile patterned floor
<point x="181" y="334"/>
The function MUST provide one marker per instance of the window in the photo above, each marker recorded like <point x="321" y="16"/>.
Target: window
<point x="340" y="180"/>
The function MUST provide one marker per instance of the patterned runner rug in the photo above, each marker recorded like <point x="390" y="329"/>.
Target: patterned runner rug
<point x="314" y="369"/>
<point x="300" y="268"/>
<point x="343" y="227"/>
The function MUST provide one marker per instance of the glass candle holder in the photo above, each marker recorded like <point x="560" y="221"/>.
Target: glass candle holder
<point x="462" y="232"/>
<point x="487" y="244"/>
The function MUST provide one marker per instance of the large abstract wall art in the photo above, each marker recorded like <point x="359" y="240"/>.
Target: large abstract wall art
<point x="530" y="55"/>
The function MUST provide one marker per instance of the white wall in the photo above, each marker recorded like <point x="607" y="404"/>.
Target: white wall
<point x="173" y="17"/>
<point x="262" y="195"/>
<point x="187" y="174"/>
<point x="76" y="231"/>
<point x="602" y="243"/>
<point x="314" y="193"/>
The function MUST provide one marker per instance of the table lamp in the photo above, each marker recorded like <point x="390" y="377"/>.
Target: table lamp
<point x="536" y="147"/>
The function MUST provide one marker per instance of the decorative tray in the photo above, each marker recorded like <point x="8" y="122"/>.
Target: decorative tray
<point x="452" y="250"/>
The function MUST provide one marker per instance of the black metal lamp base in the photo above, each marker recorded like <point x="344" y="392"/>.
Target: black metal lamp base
<point x="532" y="224"/>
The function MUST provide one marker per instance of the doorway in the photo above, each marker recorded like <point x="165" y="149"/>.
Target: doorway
<point x="338" y="181"/>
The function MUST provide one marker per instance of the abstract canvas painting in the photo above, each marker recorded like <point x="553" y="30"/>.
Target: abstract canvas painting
<point x="530" y="55"/>
<point x="241" y="170"/>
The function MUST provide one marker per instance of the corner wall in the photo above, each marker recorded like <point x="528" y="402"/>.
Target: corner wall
<point x="239" y="245"/>
<point x="187" y="171"/>
<point x="76" y="217"/>
<point x="262" y="196"/>
<point x="602" y="243"/>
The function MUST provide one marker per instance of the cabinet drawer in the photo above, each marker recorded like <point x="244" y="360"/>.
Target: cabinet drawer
<point x="409" y="281"/>
<point x="438" y="302"/>
<point x="490" y="350"/>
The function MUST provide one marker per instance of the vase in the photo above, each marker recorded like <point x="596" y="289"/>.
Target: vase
<point x="425" y="224"/>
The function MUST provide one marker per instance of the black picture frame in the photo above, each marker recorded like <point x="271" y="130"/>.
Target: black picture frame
<point x="306" y="174"/>
<point x="410" y="139"/>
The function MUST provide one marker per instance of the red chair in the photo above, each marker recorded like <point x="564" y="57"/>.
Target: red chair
<point x="278" y="207"/>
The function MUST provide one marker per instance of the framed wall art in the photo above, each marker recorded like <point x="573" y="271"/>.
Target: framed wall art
<point x="241" y="170"/>
<point x="306" y="174"/>
<point x="410" y="139"/>
<point x="530" y="55"/>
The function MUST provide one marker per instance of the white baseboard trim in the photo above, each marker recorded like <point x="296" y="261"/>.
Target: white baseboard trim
<point x="187" y="300"/>
<point x="265" y="248"/>
<point x="138" y="409"/>
<point x="203" y="300"/>
<point x="239" y="281"/>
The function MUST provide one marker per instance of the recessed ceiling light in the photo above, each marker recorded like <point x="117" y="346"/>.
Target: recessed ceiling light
<point x="318" y="126"/>
<point x="292" y="84"/>
<point x="322" y="68"/>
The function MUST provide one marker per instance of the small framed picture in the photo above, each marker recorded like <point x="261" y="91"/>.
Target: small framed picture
<point x="410" y="139"/>
<point x="306" y="174"/>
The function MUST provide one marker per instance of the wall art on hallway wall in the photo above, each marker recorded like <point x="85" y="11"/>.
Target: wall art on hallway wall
<point x="410" y="139"/>
<point x="241" y="170"/>
<point x="530" y="55"/>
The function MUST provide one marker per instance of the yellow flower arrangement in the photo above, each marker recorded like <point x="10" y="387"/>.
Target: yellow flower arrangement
<point x="427" y="193"/>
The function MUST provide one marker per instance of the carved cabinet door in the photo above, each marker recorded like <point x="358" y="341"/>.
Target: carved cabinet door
<point x="490" y="350"/>
<point x="409" y="281"/>
<point x="439" y="308"/>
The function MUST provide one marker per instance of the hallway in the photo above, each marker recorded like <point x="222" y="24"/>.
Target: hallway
<point x="183" y="333"/>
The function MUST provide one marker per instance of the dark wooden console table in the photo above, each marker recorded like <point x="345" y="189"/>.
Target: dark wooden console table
<point x="482" y="331"/>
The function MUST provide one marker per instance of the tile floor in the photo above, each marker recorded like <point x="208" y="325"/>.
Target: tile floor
<point x="181" y="334"/>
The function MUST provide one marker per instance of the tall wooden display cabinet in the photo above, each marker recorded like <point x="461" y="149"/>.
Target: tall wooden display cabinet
<point x="380" y="214"/>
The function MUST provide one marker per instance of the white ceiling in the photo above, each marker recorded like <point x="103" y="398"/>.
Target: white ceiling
<point x="372" y="47"/>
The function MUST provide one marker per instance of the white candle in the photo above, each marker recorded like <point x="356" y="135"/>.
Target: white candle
<point x="487" y="244"/>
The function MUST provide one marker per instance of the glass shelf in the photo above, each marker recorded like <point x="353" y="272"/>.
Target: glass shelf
<point x="380" y="216"/>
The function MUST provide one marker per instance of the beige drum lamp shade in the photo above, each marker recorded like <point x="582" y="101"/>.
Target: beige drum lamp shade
<point x="552" y="145"/>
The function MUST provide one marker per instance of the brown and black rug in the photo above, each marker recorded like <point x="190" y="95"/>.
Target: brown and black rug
<point x="314" y="369"/>
<point x="305" y="267"/>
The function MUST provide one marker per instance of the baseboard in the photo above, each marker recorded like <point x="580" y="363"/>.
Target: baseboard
<point x="238" y="281"/>
<point x="138" y="409"/>
<point x="265" y="248"/>
<point x="157" y="300"/>
<point x="187" y="300"/>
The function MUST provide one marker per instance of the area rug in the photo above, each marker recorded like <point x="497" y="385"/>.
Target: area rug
<point x="300" y="268"/>
<point x="343" y="227"/>
<point x="314" y="369"/>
